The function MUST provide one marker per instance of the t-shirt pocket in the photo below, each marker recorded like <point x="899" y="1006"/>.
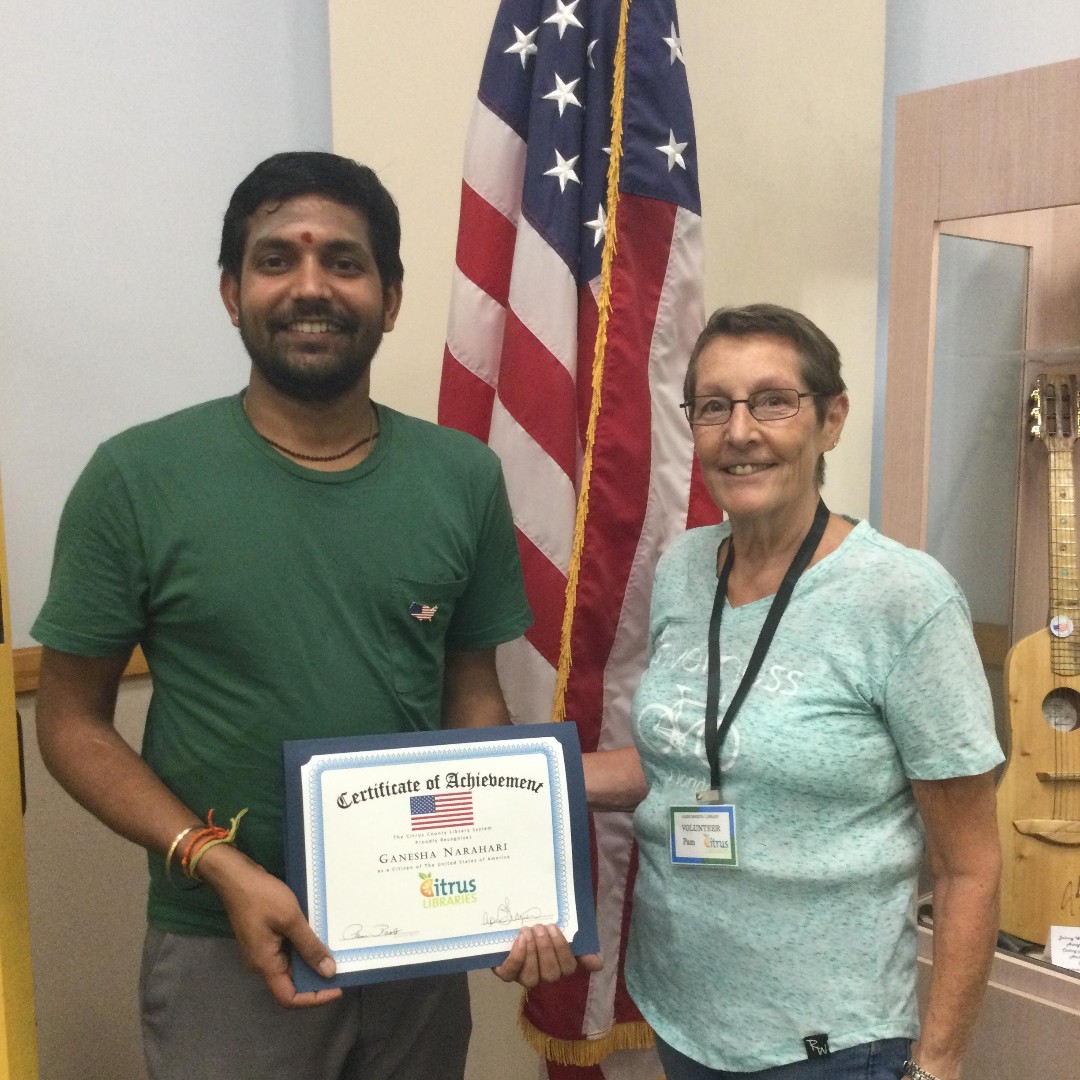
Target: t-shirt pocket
<point x="420" y="621"/>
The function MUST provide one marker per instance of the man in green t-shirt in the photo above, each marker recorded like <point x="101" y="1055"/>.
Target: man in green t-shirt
<point x="295" y="562"/>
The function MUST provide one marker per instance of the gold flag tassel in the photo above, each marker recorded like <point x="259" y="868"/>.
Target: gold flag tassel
<point x="635" y="1035"/>
<point x="558" y="709"/>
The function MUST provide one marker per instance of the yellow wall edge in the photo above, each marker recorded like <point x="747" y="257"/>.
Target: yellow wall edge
<point x="18" y="1044"/>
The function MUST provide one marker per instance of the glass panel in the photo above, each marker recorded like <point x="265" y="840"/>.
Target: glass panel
<point x="982" y="467"/>
<point x="975" y="430"/>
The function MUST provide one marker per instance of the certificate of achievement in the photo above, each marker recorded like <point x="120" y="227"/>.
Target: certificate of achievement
<point x="427" y="852"/>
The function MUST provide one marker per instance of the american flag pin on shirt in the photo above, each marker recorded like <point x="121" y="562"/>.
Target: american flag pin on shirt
<point x="423" y="612"/>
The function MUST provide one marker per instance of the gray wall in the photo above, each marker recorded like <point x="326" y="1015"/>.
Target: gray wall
<point x="124" y="127"/>
<point x="931" y="43"/>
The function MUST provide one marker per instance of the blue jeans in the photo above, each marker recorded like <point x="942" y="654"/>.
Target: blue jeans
<point x="882" y="1060"/>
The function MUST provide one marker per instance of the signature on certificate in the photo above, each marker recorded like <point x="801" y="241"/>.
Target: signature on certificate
<point x="505" y="915"/>
<point x="357" y="931"/>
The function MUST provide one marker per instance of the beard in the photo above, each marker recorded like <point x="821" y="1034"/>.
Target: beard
<point x="321" y="373"/>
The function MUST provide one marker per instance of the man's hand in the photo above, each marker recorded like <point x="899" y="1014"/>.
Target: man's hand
<point x="266" y="917"/>
<point x="542" y="954"/>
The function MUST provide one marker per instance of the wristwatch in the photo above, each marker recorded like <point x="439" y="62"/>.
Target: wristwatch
<point x="917" y="1072"/>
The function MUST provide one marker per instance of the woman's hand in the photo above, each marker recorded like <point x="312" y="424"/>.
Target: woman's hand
<point x="542" y="954"/>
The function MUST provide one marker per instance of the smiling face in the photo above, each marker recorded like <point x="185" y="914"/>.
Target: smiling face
<point x="761" y="470"/>
<point x="309" y="302"/>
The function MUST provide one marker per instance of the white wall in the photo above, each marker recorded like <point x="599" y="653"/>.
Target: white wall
<point x="124" y="127"/>
<point x="787" y="106"/>
<point x="931" y="43"/>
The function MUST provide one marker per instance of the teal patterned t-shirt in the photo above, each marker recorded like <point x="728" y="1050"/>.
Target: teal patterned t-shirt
<point x="873" y="678"/>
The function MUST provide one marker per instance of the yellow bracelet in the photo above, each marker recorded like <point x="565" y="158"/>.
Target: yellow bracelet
<point x="172" y="849"/>
<point x="201" y="852"/>
<point x="228" y="838"/>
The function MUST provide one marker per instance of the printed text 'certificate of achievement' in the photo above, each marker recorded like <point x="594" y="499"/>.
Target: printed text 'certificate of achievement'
<point x="427" y="852"/>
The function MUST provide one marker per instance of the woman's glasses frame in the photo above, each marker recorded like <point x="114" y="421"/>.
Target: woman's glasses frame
<point x="777" y="403"/>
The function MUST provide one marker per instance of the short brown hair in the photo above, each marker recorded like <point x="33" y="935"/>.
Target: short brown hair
<point x="819" y="357"/>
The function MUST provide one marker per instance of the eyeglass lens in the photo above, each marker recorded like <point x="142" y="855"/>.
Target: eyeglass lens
<point x="763" y="405"/>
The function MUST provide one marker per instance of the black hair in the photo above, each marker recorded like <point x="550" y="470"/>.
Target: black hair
<point x="308" y="172"/>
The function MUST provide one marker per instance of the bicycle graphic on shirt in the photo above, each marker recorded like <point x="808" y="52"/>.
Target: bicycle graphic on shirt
<point x="679" y="729"/>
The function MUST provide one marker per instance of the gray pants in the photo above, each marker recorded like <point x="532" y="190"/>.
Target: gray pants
<point x="205" y="1016"/>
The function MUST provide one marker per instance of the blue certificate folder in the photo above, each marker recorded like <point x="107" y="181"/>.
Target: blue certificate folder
<point x="456" y="744"/>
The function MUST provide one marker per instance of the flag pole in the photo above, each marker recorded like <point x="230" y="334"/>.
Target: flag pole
<point x="633" y="1035"/>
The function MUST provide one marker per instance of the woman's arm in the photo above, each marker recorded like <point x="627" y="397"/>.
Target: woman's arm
<point x="613" y="779"/>
<point x="965" y="861"/>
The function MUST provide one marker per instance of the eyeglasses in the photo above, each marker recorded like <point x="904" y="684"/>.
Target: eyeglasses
<point x="764" y="405"/>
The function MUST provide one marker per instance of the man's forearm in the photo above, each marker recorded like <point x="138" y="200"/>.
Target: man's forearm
<point x="92" y="761"/>
<point x="472" y="696"/>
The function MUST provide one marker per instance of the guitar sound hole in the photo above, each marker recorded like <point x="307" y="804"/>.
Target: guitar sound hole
<point x="1061" y="709"/>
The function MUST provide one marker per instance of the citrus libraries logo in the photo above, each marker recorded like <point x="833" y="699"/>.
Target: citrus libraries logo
<point x="439" y="892"/>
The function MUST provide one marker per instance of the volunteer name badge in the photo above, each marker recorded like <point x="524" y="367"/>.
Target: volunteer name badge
<point x="427" y="852"/>
<point x="703" y="835"/>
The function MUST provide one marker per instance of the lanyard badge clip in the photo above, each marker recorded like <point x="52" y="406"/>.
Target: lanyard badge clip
<point x="705" y="834"/>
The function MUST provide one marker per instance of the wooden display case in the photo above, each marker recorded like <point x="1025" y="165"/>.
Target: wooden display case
<point x="996" y="159"/>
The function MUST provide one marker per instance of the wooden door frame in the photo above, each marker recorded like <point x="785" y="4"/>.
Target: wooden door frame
<point x="18" y="1044"/>
<point x="990" y="146"/>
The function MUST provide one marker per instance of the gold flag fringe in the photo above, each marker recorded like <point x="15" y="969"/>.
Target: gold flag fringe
<point x="558" y="710"/>
<point x="633" y="1035"/>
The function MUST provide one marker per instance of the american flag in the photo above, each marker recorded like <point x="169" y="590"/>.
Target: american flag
<point x="423" y="612"/>
<point x="440" y="811"/>
<point x="537" y="295"/>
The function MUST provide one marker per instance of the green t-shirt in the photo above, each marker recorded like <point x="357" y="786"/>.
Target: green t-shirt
<point x="278" y="602"/>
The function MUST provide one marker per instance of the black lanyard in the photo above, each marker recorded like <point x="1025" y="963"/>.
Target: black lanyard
<point x="714" y="734"/>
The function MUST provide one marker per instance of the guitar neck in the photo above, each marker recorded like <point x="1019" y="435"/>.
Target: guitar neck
<point x="1064" y="583"/>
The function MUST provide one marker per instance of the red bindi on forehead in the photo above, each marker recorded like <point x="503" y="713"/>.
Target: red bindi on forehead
<point x="307" y="237"/>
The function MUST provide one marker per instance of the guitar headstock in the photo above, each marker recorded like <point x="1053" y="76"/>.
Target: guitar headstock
<point x="1055" y="411"/>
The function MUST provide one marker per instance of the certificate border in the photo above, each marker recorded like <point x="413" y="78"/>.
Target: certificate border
<point x="497" y="939"/>
<point x="428" y="746"/>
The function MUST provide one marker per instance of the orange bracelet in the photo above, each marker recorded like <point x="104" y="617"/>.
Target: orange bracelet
<point x="206" y="838"/>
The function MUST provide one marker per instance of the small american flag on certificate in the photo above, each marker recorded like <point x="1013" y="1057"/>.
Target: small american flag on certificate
<point x="443" y="811"/>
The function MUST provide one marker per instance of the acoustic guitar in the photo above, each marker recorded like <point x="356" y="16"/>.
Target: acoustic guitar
<point x="1039" y="793"/>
